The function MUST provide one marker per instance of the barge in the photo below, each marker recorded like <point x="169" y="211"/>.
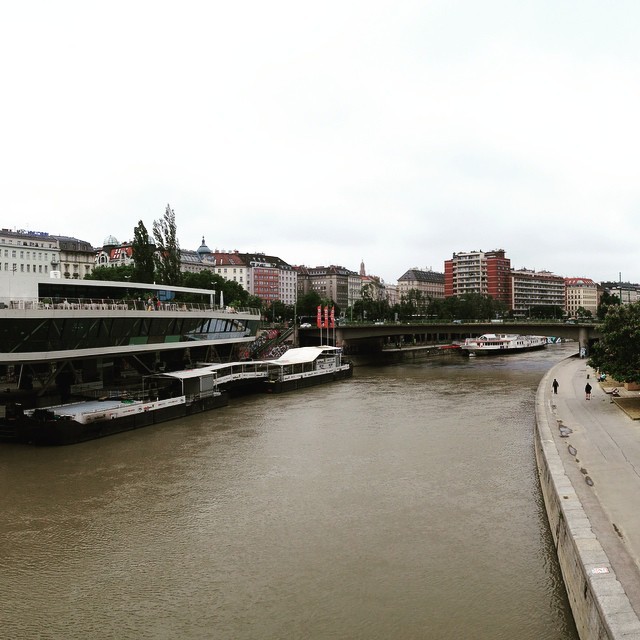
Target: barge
<point x="167" y="397"/>
<point x="306" y="367"/>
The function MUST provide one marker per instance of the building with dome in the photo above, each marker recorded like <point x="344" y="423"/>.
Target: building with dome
<point x="203" y="251"/>
<point x="114" y="253"/>
<point x="581" y="293"/>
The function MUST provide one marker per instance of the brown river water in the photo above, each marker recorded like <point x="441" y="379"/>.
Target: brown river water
<point x="401" y="504"/>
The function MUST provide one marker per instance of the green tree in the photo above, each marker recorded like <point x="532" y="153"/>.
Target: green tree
<point x="308" y="304"/>
<point x="167" y="256"/>
<point x="546" y="311"/>
<point x="112" y="274"/>
<point x="607" y="300"/>
<point x="414" y="305"/>
<point x="617" y="353"/>
<point x="143" y="254"/>
<point x="582" y="313"/>
<point x="232" y="292"/>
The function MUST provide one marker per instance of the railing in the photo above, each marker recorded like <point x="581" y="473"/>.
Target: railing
<point x="108" y="304"/>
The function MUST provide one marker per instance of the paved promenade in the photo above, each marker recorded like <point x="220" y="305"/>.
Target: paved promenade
<point x="598" y="445"/>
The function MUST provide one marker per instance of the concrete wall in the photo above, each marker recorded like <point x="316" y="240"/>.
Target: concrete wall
<point x="600" y="606"/>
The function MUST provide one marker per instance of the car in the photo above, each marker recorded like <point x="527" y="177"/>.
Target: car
<point x="305" y="325"/>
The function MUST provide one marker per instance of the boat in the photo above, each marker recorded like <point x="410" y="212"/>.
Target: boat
<point x="66" y="343"/>
<point x="166" y="396"/>
<point x="502" y="344"/>
<point x="306" y="366"/>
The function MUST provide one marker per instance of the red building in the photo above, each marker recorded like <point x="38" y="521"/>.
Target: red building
<point x="486" y="273"/>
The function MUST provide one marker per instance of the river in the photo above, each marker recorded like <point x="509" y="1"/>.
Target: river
<point x="401" y="504"/>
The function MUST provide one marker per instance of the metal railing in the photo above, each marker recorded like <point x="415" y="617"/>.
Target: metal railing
<point x="109" y="304"/>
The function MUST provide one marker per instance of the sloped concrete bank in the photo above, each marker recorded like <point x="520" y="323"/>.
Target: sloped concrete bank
<point x="600" y="606"/>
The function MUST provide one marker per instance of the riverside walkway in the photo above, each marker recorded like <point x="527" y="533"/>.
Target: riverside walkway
<point x="588" y="455"/>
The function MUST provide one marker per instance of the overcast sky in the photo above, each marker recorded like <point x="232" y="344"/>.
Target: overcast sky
<point x="325" y="133"/>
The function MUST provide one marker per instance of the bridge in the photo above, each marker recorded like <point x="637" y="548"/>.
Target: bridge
<point x="361" y="338"/>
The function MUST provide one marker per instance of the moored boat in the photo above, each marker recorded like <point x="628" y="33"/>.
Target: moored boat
<point x="307" y="366"/>
<point x="167" y="396"/>
<point x="502" y="344"/>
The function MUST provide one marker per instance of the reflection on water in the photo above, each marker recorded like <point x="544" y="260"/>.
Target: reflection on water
<point x="403" y="503"/>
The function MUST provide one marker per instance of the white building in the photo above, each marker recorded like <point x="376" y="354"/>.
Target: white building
<point x="25" y="257"/>
<point x="581" y="293"/>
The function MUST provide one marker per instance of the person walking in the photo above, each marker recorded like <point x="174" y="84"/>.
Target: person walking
<point x="587" y="391"/>
<point x="555" y="385"/>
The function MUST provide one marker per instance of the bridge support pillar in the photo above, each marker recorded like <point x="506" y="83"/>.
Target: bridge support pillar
<point x="583" y="340"/>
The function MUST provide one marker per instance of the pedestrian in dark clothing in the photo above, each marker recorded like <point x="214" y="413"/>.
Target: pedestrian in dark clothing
<point x="587" y="391"/>
<point x="555" y="385"/>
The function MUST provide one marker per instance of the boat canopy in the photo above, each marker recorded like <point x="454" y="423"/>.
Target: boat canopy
<point x="304" y="354"/>
<point x="186" y="374"/>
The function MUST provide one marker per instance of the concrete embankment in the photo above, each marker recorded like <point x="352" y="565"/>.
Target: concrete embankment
<point x="597" y="556"/>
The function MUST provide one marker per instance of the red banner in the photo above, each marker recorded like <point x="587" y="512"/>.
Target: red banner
<point x="332" y="324"/>
<point x="326" y="317"/>
<point x="319" y="317"/>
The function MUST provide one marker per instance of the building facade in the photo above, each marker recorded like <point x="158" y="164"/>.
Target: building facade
<point x="429" y="283"/>
<point x="270" y="278"/>
<point x="29" y="256"/>
<point x="77" y="257"/>
<point x="581" y="293"/>
<point x="32" y="254"/>
<point x="114" y="254"/>
<point x="332" y="283"/>
<point x="626" y="292"/>
<point x="480" y="272"/>
<point x="533" y="289"/>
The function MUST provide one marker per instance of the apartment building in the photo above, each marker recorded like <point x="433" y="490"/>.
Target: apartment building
<point x="270" y="278"/>
<point x="536" y="288"/>
<point x="32" y="254"/>
<point x="334" y="283"/>
<point x="486" y="273"/>
<point x="27" y="256"/>
<point x="626" y="292"/>
<point x="429" y="283"/>
<point x="581" y="293"/>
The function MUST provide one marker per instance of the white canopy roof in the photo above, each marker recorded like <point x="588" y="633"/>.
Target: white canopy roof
<point x="303" y="354"/>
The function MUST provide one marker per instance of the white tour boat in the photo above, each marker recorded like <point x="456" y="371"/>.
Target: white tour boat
<point x="502" y="344"/>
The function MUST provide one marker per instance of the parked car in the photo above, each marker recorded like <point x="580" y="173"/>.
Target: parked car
<point x="305" y="325"/>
